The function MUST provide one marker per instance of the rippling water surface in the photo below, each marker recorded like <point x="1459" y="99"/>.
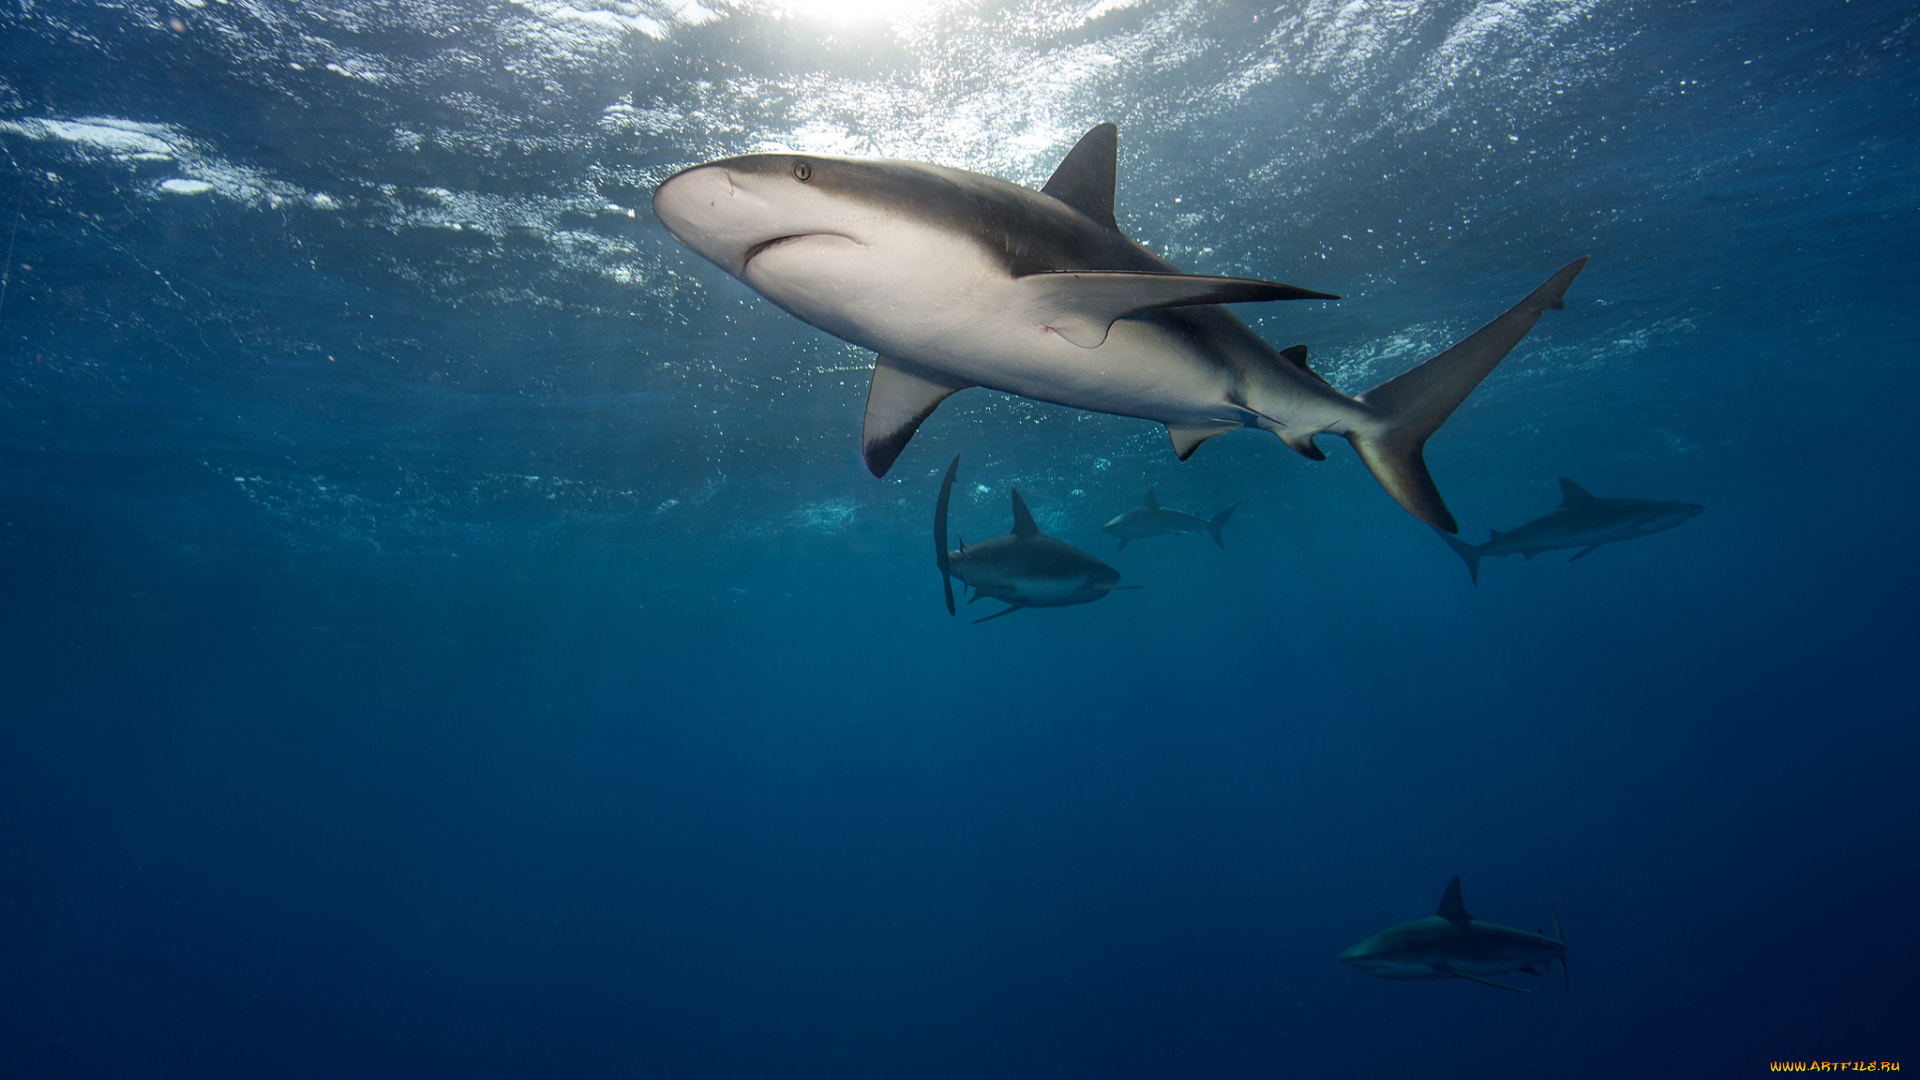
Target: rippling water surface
<point x="448" y="628"/>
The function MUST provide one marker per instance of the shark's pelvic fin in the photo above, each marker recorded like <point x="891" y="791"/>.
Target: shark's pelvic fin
<point x="1572" y="494"/>
<point x="1411" y="406"/>
<point x="1188" y="439"/>
<point x="1123" y="543"/>
<point x="1008" y="610"/>
<point x="1297" y="355"/>
<point x="1458" y="974"/>
<point x="1584" y="552"/>
<point x="1152" y="500"/>
<point x="1466" y="551"/>
<point x="899" y="400"/>
<point x="1085" y="178"/>
<point x="1451" y="907"/>
<point x="1219" y="521"/>
<point x="1080" y="305"/>
<point x="1023" y="526"/>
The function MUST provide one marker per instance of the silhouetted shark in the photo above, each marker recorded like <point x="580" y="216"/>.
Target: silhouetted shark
<point x="1451" y="944"/>
<point x="1582" y="521"/>
<point x="1024" y="568"/>
<point x="958" y="279"/>
<point x="1151" y="519"/>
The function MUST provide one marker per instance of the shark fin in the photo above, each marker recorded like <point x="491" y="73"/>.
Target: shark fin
<point x="1023" y="526"/>
<point x="1412" y="405"/>
<point x="1493" y="536"/>
<point x="1123" y="543"/>
<point x="1081" y="305"/>
<point x="898" y="401"/>
<point x="1451" y="907"/>
<point x="940" y="554"/>
<point x="1086" y="176"/>
<point x="1152" y="499"/>
<point x="1561" y="936"/>
<point x="1188" y="439"/>
<point x="1297" y="356"/>
<point x="1302" y="444"/>
<point x="1527" y="556"/>
<point x="1008" y="610"/>
<point x="1458" y="974"/>
<point x="1531" y="969"/>
<point x="1572" y="494"/>
<point x="1584" y="552"/>
<point x="1466" y="551"/>
<point x="1219" y="521"/>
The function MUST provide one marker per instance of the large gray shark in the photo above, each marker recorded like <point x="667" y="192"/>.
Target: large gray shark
<point x="1582" y="521"/>
<point x="1452" y="944"/>
<point x="1151" y="519"/>
<point x="958" y="280"/>
<point x="1024" y="568"/>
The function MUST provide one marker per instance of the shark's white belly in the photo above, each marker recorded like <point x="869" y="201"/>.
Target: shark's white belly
<point x="928" y="297"/>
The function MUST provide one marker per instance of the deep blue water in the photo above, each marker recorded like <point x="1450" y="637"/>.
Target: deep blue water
<point x="447" y="629"/>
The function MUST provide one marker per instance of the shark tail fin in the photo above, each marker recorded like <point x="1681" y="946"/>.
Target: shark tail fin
<point x="940" y="531"/>
<point x="1469" y="552"/>
<point x="1219" y="521"/>
<point x="1411" y="406"/>
<point x="1565" y="975"/>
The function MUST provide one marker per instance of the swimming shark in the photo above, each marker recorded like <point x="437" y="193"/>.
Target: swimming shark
<point x="1583" y="521"/>
<point x="957" y="279"/>
<point x="1024" y="568"/>
<point x="1152" y="519"/>
<point x="1451" y="944"/>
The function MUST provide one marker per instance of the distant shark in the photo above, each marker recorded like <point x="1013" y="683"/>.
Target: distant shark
<point x="1582" y="521"/>
<point x="1452" y="944"/>
<point x="1151" y="519"/>
<point x="958" y="279"/>
<point x="1024" y="568"/>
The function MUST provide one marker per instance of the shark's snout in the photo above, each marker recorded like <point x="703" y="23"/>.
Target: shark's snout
<point x="696" y="206"/>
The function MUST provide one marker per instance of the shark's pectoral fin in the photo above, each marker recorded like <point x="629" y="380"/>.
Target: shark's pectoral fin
<point x="1584" y="552"/>
<point x="1010" y="609"/>
<point x="1188" y="439"/>
<point x="900" y="398"/>
<point x="1458" y="974"/>
<point x="1080" y="305"/>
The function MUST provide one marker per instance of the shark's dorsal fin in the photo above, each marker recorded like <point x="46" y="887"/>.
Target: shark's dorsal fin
<point x="1297" y="356"/>
<point x="1023" y="526"/>
<point x="1188" y="439"/>
<point x="1082" y="305"/>
<point x="1085" y="178"/>
<point x="1572" y="494"/>
<point x="899" y="400"/>
<point x="1152" y="501"/>
<point x="1451" y="907"/>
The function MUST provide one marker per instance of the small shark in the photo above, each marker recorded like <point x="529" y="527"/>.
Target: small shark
<point x="1024" y="568"/>
<point x="1582" y="521"/>
<point x="1152" y="519"/>
<point x="1452" y="944"/>
<point x="957" y="280"/>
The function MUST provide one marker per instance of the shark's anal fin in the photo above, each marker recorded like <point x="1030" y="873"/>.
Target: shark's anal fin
<point x="1023" y="525"/>
<point x="1572" y="494"/>
<point x="1452" y="908"/>
<point x="1458" y="974"/>
<point x="1152" y="500"/>
<point x="1080" y="305"/>
<point x="1085" y="178"/>
<point x="898" y="401"/>
<point x="1188" y="439"/>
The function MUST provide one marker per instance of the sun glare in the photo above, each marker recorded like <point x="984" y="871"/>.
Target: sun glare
<point x="857" y="12"/>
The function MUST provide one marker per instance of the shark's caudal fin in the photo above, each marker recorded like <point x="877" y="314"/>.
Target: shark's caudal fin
<point x="900" y="398"/>
<point x="1469" y="552"/>
<point x="1411" y="406"/>
<point x="940" y="530"/>
<point x="1219" y="520"/>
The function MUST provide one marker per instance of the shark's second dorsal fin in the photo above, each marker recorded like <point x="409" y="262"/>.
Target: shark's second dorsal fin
<point x="1085" y="178"/>
<point x="1572" y="494"/>
<point x="1152" y="501"/>
<point x="1023" y="526"/>
<point x="1451" y="907"/>
<point x="1297" y="356"/>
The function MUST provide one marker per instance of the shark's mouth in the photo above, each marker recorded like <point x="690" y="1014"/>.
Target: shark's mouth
<point x="765" y="246"/>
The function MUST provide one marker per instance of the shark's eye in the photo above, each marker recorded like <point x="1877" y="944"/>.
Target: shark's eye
<point x="802" y="171"/>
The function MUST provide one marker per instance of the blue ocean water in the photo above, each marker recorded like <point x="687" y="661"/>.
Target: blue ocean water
<point x="449" y="630"/>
